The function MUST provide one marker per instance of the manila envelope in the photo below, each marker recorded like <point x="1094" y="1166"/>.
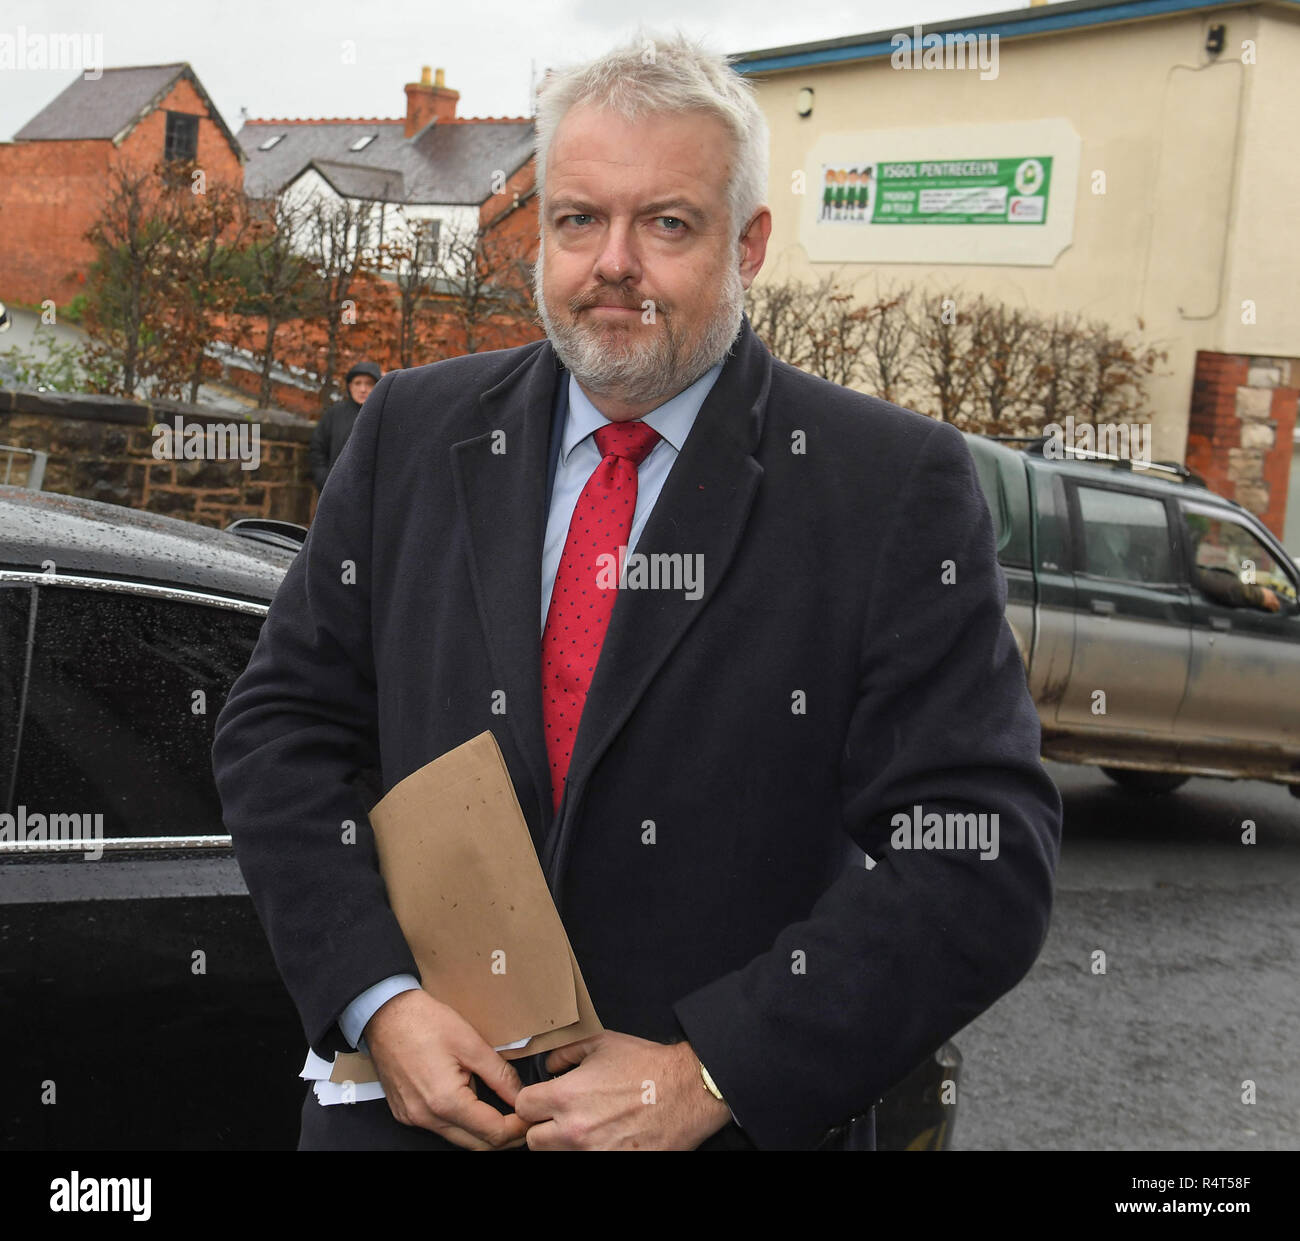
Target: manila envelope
<point x="467" y="889"/>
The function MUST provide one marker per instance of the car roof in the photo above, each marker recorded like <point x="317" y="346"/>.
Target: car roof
<point x="1104" y="470"/>
<point x="94" y="539"/>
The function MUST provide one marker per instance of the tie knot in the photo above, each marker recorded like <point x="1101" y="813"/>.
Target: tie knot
<point x="630" y="440"/>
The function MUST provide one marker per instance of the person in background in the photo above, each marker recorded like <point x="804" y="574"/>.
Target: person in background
<point x="336" y="423"/>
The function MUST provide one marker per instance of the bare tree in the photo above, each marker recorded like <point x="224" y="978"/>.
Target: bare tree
<point x="277" y="275"/>
<point x="941" y="328"/>
<point x="199" y="265"/>
<point x="127" y="282"/>
<point x="1111" y="377"/>
<point x="778" y="312"/>
<point x="1002" y="365"/>
<point x="338" y="246"/>
<point x="889" y="353"/>
<point x="836" y="331"/>
<point x="415" y="263"/>
<point x="484" y="281"/>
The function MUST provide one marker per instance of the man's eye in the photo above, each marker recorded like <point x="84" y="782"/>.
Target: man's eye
<point x="672" y="223"/>
<point x="578" y="219"/>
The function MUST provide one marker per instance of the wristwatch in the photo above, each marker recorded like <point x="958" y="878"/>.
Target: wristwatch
<point x="709" y="1084"/>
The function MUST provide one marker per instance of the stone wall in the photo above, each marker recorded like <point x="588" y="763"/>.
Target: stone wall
<point x="1240" y="431"/>
<point x="104" y="448"/>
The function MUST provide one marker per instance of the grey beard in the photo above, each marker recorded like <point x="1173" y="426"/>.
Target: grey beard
<point x="655" y="370"/>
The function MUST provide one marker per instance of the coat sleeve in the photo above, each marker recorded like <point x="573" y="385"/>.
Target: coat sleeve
<point x="295" y="753"/>
<point x="894" y="960"/>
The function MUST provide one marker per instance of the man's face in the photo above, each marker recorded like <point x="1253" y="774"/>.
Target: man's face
<point x="360" y="388"/>
<point x="640" y="280"/>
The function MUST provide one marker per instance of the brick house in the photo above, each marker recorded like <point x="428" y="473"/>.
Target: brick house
<point x="53" y="172"/>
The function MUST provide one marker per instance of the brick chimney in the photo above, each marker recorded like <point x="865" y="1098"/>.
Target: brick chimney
<point x="427" y="100"/>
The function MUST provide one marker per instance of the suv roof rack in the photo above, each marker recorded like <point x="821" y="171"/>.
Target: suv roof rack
<point x="1035" y="444"/>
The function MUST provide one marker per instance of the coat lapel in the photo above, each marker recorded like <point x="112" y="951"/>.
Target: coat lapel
<point x="701" y="512"/>
<point x="500" y="480"/>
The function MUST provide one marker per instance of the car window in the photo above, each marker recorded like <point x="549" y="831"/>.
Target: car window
<point x="1005" y="491"/>
<point x="1125" y="536"/>
<point x="121" y="708"/>
<point x="15" y="613"/>
<point x="1222" y="546"/>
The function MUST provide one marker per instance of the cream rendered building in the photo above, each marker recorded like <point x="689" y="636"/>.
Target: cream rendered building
<point x="1145" y="159"/>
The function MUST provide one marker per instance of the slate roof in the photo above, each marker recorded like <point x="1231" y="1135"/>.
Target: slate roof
<point x="447" y="162"/>
<point x="110" y="106"/>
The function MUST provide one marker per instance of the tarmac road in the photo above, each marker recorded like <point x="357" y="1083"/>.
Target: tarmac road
<point x="1201" y="991"/>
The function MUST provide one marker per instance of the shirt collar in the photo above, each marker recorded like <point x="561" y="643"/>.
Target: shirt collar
<point x="673" y="419"/>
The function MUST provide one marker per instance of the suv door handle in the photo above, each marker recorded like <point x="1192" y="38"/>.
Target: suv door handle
<point x="1103" y="607"/>
<point x="1221" y="623"/>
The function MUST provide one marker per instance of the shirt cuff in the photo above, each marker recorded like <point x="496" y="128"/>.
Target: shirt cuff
<point x="353" y="1019"/>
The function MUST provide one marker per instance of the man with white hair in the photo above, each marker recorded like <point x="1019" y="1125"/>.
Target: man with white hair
<point x="701" y="769"/>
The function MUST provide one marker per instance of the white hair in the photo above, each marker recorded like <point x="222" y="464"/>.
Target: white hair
<point x="649" y="76"/>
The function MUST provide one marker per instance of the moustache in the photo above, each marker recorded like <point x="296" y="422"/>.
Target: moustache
<point x="603" y="297"/>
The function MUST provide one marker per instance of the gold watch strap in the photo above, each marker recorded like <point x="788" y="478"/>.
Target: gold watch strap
<point x="709" y="1084"/>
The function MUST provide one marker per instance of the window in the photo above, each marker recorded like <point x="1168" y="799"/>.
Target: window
<point x="425" y="234"/>
<point x="182" y="141"/>
<point x="1124" y="536"/>
<point x="111" y="724"/>
<point x="364" y="141"/>
<point x="1004" y="487"/>
<point x="1224" y="549"/>
<point x="270" y="142"/>
<point x="15" y="618"/>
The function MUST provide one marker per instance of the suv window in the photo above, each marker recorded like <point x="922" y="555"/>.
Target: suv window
<point x="1006" y="490"/>
<point x="1124" y="536"/>
<point x="1226" y="549"/>
<point x="121" y="708"/>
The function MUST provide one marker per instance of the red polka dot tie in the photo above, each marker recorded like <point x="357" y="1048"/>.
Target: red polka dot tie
<point x="586" y="587"/>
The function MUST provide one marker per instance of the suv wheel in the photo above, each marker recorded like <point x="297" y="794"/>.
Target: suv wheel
<point x="1150" y="783"/>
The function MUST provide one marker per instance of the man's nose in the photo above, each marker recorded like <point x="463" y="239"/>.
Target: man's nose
<point x="618" y="260"/>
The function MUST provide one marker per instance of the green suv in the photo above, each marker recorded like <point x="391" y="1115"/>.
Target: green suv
<point x="1159" y="623"/>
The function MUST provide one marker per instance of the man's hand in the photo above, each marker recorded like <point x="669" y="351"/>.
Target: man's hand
<point x="625" y="1094"/>
<point x="426" y="1055"/>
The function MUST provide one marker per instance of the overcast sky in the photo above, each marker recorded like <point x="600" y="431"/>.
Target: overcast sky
<point x="284" y="58"/>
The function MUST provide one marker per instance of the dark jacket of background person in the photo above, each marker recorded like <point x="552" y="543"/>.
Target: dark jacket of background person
<point x="335" y="425"/>
<point x="832" y="675"/>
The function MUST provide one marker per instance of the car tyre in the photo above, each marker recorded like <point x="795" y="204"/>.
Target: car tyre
<point x="1150" y="783"/>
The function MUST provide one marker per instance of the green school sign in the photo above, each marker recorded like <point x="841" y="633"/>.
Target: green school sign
<point x="948" y="191"/>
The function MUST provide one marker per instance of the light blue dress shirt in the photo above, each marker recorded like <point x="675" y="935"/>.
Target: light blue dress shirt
<point x="579" y="458"/>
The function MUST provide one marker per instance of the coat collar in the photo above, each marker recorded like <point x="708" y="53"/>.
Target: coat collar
<point x="500" y="479"/>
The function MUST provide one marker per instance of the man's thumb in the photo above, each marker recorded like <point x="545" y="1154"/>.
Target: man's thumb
<point x="570" y="1054"/>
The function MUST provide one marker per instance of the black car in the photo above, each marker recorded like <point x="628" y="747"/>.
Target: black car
<point x="144" y="1010"/>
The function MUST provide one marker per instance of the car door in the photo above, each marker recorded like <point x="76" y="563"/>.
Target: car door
<point x="1244" y="687"/>
<point x="1132" y="638"/>
<point x="142" y="1005"/>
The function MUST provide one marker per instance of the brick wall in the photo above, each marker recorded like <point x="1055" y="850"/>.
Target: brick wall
<point x="1239" y="435"/>
<point x="52" y="192"/>
<point x="102" y="448"/>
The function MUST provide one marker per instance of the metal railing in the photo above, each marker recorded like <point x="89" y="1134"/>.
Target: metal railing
<point x="35" y="468"/>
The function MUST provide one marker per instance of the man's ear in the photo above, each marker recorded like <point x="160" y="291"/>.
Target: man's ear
<point x="753" y="245"/>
